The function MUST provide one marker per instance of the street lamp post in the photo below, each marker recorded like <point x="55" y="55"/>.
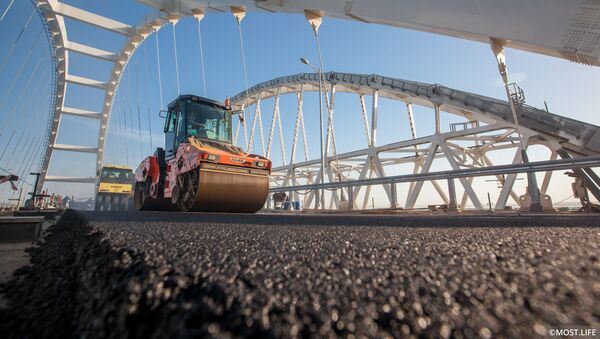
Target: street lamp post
<point x="321" y="195"/>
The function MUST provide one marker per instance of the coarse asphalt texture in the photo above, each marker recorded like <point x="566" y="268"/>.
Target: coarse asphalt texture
<point x="153" y="274"/>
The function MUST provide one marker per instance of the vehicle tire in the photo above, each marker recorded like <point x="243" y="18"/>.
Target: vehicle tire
<point x="123" y="204"/>
<point x="139" y="195"/>
<point x="98" y="202"/>
<point x="187" y="197"/>
<point x="130" y="204"/>
<point x="106" y="203"/>
<point x="143" y="201"/>
<point x="115" y="203"/>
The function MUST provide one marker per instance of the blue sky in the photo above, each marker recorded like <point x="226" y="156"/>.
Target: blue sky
<point x="273" y="44"/>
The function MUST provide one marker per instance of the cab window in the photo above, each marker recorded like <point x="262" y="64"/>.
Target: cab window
<point x="171" y="129"/>
<point x="116" y="176"/>
<point x="181" y="132"/>
<point x="171" y="123"/>
<point x="208" y="121"/>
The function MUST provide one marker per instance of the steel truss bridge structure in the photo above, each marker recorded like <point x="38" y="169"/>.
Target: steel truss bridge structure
<point x="557" y="28"/>
<point x="489" y="128"/>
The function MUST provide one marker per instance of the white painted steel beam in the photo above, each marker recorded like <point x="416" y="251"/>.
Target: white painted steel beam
<point x="91" y="18"/>
<point x="81" y="180"/>
<point x="79" y="80"/>
<point x="75" y="148"/>
<point x="81" y="113"/>
<point x="90" y="51"/>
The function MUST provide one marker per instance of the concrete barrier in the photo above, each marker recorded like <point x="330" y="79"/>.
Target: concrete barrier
<point x="20" y="229"/>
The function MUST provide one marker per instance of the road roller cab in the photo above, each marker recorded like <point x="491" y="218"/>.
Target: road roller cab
<point x="114" y="189"/>
<point x="200" y="169"/>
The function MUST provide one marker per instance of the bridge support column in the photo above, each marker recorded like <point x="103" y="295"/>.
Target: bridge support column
<point x="350" y="198"/>
<point x="393" y="196"/>
<point x="452" y="196"/>
<point x="532" y="188"/>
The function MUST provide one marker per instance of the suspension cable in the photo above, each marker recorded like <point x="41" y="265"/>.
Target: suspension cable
<point x="116" y="130"/>
<point x="26" y="157"/>
<point x="18" y="74"/>
<point x="23" y="91"/>
<point x="12" y="48"/>
<point x="41" y="123"/>
<point x="243" y="122"/>
<point x="176" y="61"/>
<point x="137" y="92"/>
<point x="28" y="164"/>
<point x="125" y="128"/>
<point x="36" y="151"/>
<point x="16" y="145"/>
<point x="31" y="109"/>
<point x="29" y="140"/>
<point x="147" y="94"/>
<point x="302" y="125"/>
<point x="6" y="10"/>
<point x="8" y="143"/>
<point x="129" y="104"/>
<point x="201" y="55"/>
<point x="22" y="158"/>
<point x="113" y="140"/>
<point x="158" y="68"/>
<point x="110" y="147"/>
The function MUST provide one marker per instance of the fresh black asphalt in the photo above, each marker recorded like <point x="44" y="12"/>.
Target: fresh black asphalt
<point x="227" y="275"/>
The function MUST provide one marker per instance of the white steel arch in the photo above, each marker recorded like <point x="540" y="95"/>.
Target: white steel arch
<point x="489" y="127"/>
<point x="54" y="13"/>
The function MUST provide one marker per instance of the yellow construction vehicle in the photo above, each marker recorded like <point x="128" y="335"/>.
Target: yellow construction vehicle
<point x="114" y="189"/>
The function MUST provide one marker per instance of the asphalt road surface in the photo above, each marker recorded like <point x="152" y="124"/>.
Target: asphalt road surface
<point x="227" y="275"/>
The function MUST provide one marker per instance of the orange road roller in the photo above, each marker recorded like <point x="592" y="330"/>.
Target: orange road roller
<point x="200" y="169"/>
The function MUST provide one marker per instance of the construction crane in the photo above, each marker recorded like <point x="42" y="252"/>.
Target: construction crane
<point x="10" y="178"/>
<point x="200" y="169"/>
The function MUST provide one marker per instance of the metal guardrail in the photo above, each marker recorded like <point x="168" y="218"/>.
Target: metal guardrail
<point x="538" y="166"/>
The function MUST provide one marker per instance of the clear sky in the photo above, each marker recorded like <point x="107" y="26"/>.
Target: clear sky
<point x="273" y="43"/>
